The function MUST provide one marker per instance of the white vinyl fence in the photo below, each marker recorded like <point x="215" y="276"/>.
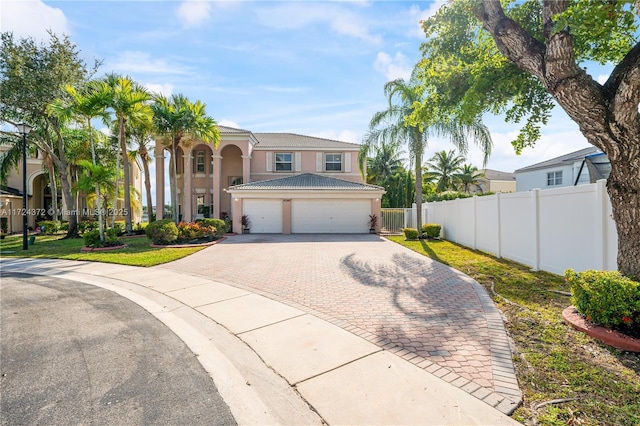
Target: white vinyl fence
<point x="550" y="230"/>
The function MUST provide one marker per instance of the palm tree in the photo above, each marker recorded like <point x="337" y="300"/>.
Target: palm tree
<point x="443" y="166"/>
<point x="468" y="175"/>
<point x="85" y="105"/>
<point x="182" y="122"/>
<point x="128" y="101"/>
<point x="141" y="133"/>
<point x="385" y="163"/>
<point x="391" y="125"/>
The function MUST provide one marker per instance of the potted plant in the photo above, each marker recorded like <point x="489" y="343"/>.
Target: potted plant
<point x="373" y="223"/>
<point x="246" y="224"/>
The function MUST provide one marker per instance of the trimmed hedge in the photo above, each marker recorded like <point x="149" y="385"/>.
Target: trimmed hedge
<point x="162" y="231"/>
<point x="431" y="229"/>
<point x="606" y="298"/>
<point x="49" y="227"/>
<point x="410" y="233"/>
<point x="111" y="239"/>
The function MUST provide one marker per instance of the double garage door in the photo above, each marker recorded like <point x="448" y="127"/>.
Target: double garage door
<point x="309" y="216"/>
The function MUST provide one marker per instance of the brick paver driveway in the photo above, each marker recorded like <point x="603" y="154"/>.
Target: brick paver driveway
<point x="426" y="312"/>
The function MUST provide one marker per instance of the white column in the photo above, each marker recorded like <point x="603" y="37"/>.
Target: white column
<point x="217" y="177"/>
<point x="187" y="199"/>
<point x="159" y="182"/>
<point x="246" y="168"/>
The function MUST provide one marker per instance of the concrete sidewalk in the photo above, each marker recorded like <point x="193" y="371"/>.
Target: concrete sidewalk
<point x="275" y="364"/>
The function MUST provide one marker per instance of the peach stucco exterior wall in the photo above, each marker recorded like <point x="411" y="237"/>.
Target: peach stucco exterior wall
<point x="307" y="165"/>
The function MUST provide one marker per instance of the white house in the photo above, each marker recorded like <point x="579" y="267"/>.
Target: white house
<point x="580" y="167"/>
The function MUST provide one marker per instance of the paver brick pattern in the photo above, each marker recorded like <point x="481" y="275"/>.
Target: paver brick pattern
<point x="418" y="305"/>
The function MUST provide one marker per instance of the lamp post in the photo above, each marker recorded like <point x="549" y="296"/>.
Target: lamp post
<point x="24" y="129"/>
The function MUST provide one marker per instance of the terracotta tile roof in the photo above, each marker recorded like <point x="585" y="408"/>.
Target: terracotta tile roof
<point x="498" y="175"/>
<point x="306" y="181"/>
<point x="293" y="140"/>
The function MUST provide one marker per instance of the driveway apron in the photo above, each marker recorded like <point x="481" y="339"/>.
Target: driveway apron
<point x="428" y="313"/>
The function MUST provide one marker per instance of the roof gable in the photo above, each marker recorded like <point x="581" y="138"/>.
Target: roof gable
<point x="562" y="160"/>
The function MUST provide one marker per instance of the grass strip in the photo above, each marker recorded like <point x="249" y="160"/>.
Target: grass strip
<point x="137" y="253"/>
<point x="566" y="377"/>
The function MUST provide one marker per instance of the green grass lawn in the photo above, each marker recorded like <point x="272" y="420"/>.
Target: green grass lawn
<point x="137" y="253"/>
<point x="601" y="385"/>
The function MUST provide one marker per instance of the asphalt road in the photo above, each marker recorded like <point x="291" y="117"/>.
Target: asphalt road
<point x="73" y="353"/>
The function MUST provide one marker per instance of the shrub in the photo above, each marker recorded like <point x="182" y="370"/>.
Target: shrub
<point x="606" y="298"/>
<point x="49" y="227"/>
<point x="219" y="224"/>
<point x="431" y="229"/>
<point x="193" y="231"/>
<point x="162" y="231"/>
<point x="111" y="237"/>
<point x="87" y="225"/>
<point x="64" y="226"/>
<point x="410" y="233"/>
<point x="92" y="238"/>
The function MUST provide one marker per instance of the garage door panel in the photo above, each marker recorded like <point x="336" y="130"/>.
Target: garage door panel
<point x="265" y="215"/>
<point x="330" y="216"/>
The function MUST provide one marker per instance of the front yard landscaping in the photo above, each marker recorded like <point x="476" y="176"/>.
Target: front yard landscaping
<point x="566" y="377"/>
<point x="137" y="252"/>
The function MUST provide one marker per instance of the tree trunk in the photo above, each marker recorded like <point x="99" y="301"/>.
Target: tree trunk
<point x="127" y="177"/>
<point x="69" y="200"/>
<point x="606" y="114"/>
<point x="173" y="183"/>
<point x="54" y="186"/>
<point x="147" y="186"/>
<point x="623" y="187"/>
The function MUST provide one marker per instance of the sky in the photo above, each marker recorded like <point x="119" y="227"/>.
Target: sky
<point x="314" y="68"/>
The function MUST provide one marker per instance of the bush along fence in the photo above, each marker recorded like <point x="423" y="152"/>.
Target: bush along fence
<point x="551" y="230"/>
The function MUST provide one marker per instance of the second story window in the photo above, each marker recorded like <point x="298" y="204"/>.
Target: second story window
<point x="284" y="162"/>
<point x="199" y="162"/>
<point x="554" y="178"/>
<point x="333" y="162"/>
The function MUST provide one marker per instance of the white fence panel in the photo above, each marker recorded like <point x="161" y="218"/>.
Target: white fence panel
<point x="551" y="229"/>
<point x="567" y="229"/>
<point x="465" y="226"/>
<point x="518" y="227"/>
<point x="487" y="229"/>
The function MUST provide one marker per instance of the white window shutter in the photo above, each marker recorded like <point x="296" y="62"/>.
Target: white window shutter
<point x="318" y="161"/>
<point x="269" y="161"/>
<point x="347" y="162"/>
<point x="298" y="162"/>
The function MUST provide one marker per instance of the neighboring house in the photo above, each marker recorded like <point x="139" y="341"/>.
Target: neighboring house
<point x="495" y="181"/>
<point x="314" y="184"/>
<point x="580" y="167"/>
<point x="40" y="199"/>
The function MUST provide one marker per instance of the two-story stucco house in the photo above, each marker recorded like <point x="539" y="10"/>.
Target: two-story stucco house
<point x="576" y="168"/>
<point x="283" y="182"/>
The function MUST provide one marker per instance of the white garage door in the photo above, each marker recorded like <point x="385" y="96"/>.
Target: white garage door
<point x="265" y="215"/>
<point x="330" y="216"/>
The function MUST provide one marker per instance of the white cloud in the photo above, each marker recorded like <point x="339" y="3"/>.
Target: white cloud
<point x="416" y="15"/>
<point x="602" y="78"/>
<point x="297" y="15"/>
<point x="229" y="123"/>
<point x="193" y="13"/>
<point x="162" y="89"/>
<point x="141" y="62"/>
<point x="32" y="19"/>
<point x="393" y="67"/>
